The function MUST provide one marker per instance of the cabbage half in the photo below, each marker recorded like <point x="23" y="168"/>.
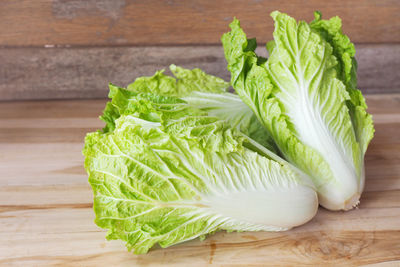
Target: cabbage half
<point x="165" y="172"/>
<point x="305" y="95"/>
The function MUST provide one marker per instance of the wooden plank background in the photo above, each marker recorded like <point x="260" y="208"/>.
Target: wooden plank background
<point x="59" y="73"/>
<point x="56" y="49"/>
<point x="144" y="22"/>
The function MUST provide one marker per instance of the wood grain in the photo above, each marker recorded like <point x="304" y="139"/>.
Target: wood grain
<point x="46" y="216"/>
<point x="40" y="73"/>
<point x="129" y="22"/>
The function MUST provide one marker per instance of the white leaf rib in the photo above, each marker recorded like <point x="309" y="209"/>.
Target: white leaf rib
<point x="130" y="217"/>
<point x="126" y="200"/>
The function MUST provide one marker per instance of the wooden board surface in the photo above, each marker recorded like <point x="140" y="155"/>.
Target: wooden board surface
<point x="129" y="22"/>
<point x="57" y="73"/>
<point x="46" y="216"/>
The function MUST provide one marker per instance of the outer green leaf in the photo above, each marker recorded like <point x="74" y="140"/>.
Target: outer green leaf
<point x="158" y="83"/>
<point x="197" y="80"/>
<point x="165" y="182"/>
<point x="187" y="81"/>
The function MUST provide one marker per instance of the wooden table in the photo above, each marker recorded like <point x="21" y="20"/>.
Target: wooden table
<point x="46" y="215"/>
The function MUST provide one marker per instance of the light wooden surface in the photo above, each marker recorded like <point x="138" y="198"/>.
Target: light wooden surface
<point x="130" y="22"/>
<point x="59" y="73"/>
<point x="46" y="216"/>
